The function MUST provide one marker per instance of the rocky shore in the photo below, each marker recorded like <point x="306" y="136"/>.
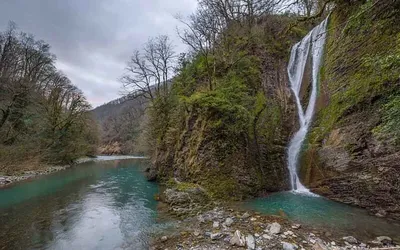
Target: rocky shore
<point x="6" y="180"/>
<point x="231" y="228"/>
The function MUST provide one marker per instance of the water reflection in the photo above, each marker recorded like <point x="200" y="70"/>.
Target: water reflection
<point x="100" y="205"/>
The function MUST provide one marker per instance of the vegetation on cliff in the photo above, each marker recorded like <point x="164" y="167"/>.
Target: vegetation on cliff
<point x="44" y="117"/>
<point x="352" y="154"/>
<point x="227" y="115"/>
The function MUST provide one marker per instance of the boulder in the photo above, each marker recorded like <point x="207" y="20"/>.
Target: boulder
<point x="320" y="245"/>
<point x="288" y="246"/>
<point x="173" y="196"/>
<point x="384" y="240"/>
<point x="250" y="242"/>
<point x="350" y="239"/>
<point x="238" y="239"/>
<point x="274" y="228"/>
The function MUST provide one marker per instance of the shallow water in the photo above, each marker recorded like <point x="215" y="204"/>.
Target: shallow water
<point x="326" y="215"/>
<point x="96" y="205"/>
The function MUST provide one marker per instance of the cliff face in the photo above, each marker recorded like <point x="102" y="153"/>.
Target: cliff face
<point x="229" y="134"/>
<point x="352" y="151"/>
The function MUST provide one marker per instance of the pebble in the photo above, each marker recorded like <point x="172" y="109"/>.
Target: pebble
<point x="296" y="226"/>
<point x="253" y="219"/>
<point x="245" y="215"/>
<point x="267" y="237"/>
<point x="164" y="238"/>
<point x="215" y="224"/>
<point x="216" y="236"/>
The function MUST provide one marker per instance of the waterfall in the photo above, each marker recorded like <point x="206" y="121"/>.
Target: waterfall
<point x="313" y="42"/>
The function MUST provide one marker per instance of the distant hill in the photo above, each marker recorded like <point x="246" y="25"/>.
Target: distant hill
<point x="120" y="123"/>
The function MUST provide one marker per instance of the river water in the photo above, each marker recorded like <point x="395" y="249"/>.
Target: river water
<point x="108" y="204"/>
<point x="326" y="215"/>
<point x="96" y="205"/>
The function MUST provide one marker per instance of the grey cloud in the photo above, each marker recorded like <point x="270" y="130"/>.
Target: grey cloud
<point x="93" y="39"/>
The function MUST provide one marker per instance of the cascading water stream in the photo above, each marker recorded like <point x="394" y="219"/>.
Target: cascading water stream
<point x="313" y="42"/>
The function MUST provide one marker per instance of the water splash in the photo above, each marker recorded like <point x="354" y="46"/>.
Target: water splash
<point x="312" y="43"/>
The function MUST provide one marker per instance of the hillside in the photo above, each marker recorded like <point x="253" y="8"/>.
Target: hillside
<point x="120" y="124"/>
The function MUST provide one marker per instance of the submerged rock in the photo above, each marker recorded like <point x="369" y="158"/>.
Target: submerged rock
<point x="384" y="240"/>
<point x="381" y="213"/>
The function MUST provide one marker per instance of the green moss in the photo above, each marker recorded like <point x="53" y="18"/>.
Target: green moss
<point x="357" y="69"/>
<point x="360" y="72"/>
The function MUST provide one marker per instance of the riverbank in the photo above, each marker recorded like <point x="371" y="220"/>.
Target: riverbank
<point x="228" y="228"/>
<point x="204" y="224"/>
<point x="7" y="180"/>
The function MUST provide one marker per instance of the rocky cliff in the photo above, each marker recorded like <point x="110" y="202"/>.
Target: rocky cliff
<point x="352" y="151"/>
<point x="229" y="133"/>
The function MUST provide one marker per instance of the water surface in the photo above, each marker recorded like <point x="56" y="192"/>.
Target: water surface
<point x="96" y="205"/>
<point x="326" y="215"/>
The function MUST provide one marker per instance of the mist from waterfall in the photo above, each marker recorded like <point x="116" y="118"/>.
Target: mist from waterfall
<point x="310" y="48"/>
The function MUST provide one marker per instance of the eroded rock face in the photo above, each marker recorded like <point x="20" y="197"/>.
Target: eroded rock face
<point x="357" y="168"/>
<point x="189" y="201"/>
<point x="348" y="158"/>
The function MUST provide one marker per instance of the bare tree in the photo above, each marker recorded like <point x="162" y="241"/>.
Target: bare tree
<point x="149" y="70"/>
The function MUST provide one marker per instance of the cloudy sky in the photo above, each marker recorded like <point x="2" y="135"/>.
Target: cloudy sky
<point x="93" y="39"/>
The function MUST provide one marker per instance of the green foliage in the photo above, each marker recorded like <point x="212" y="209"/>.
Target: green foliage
<point x="224" y="115"/>
<point x="390" y="127"/>
<point x="43" y="117"/>
<point x="225" y="106"/>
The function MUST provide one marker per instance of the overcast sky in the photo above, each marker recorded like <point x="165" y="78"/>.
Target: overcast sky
<point x="93" y="39"/>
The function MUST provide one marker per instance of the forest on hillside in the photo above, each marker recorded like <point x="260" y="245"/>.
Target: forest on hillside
<point x="44" y="118"/>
